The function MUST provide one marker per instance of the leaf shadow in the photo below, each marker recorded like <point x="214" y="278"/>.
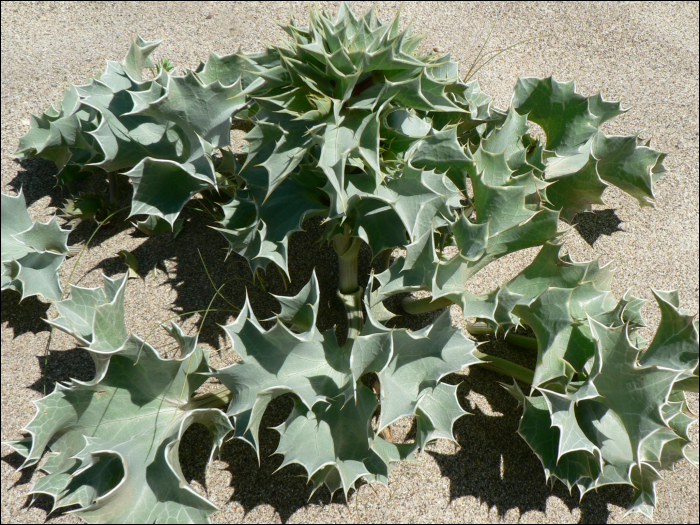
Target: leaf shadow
<point x="591" y="225"/>
<point x="62" y="366"/>
<point x="15" y="460"/>
<point x="494" y="464"/>
<point x="195" y="447"/>
<point x="46" y="503"/>
<point x="179" y="257"/>
<point x="83" y="230"/>
<point x="37" y="179"/>
<point x="23" y="316"/>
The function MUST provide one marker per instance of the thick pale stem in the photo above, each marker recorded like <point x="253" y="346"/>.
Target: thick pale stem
<point x="353" y="308"/>
<point x="502" y="366"/>
<point x="522" y="341"/>
<point x="347" y="247"/>
<point x="425" y="305"/>
<point x="478" y="328"/>
<point x="421" y="306"/>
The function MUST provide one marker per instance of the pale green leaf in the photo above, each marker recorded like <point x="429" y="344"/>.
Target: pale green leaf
<point x="301" y="310"/>
<point x="563" y="114"/>
<point x="336" y="434"/>
<point x="138" y="57"/>
<point x="115" y="440"/>
<point x="15" y="220"/>
<point x="32" y="252"/>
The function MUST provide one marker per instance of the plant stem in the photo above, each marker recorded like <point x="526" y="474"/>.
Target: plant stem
<point x="353" y="308"/>
<point x="425" y="305"/>
<point x="420" y="306"/>
<point x="502" y="366"/>
<point x="347" y="247"/>
<point x="478" y="328"/>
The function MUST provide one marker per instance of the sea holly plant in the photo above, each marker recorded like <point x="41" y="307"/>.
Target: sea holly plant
<point x="349" y="123"/>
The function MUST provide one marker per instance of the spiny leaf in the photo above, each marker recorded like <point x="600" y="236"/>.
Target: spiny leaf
<point x="675" y="344"/>
<point x="115" y="440"/>
<point x="204" y="109"/>
<point x="547" y="270"/>
<point x="626" y="419"/>
<point x="121" y="122"/>
<point x="15" y="219"/>
<point x="629" y="166"/>
<point x="570" y="122"/>
<point x="334" y="409"/>
<point x="550" y="318"/>
<point x="138" y="57"/>
<point x="563" y="114"/>
<point x="162" y="187"/>
<point x="576" y="186"/>
<point x="302" y="309"/>
<point x="418" y="361"/>
<point x="32" y="252"/>
<point x="436" y="414"/>
<point x="504" y="223"/>
<point x="336" y="434"/>
<point x="259" y="228"/>
<point x="309" y="364"/>
<point x="95" y="317"/>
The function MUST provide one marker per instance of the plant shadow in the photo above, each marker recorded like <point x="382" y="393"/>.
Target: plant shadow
<point x="195" y="291"/>
<point x="497" y="467"/>
<point x="23" y="316"/>
<point x="46" y="503"/>
<point x="37" y="179"/>
<point x="592" y="224"/>
<point x="86" y="229"/>
<point x="493" y="463"/>
<point x="15" y="460"/>
<point x="62" y="366"/>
